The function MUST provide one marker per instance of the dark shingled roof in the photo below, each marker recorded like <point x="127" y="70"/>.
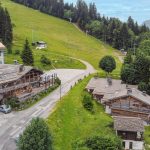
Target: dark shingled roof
<point x="132" y="124"/>
<point x="9" y="73"/>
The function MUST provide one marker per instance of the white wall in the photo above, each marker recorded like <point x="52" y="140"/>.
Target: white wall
<point x="108" y="109"/>
<point x="1" y="57"/>
<point x="137" y="145"/>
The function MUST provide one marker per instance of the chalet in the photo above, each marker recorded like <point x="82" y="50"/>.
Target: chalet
<point x="2" y="51"/>
<point x="17" y="80"/>
<point x="120" y="99"/>
<point x="41" y="45"/>
<point x="130" y="130"/>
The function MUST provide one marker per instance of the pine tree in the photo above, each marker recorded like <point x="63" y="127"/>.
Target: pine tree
<point x="8" y="35"/>
<point x="130" y="23"/>
<point x="27" y="55"/>
<point x="6" y="32"/>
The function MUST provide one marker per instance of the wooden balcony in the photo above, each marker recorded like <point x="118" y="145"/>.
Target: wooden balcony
<point x="132" y="109"/>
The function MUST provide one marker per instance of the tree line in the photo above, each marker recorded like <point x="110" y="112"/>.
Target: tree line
<point x="136" y="68"/>
<point x="118" y="34"/>
<point x="6" y="29"/>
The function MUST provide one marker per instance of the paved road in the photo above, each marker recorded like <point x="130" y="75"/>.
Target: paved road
<point x="11" y="125"/>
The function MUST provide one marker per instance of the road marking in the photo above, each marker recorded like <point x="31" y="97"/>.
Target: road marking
<point x="15" y="131"/>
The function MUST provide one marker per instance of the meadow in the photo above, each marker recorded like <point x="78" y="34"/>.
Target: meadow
<point x="71" y="122"/>
<point x="62" y="37"/>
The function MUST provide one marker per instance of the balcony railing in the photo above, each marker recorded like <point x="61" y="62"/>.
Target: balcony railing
<point x="142" y="110"/>
<point x="15" y="87"/>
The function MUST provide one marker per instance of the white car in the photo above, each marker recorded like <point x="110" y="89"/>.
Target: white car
<point x="5" y="109"/>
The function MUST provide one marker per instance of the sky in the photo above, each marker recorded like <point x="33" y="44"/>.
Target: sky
<point x="138" y="9"/>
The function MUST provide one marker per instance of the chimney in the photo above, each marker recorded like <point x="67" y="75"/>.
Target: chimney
<point x="21" y="68"/>
<point x="129" y="91"/>
<point x="144" y="93"/>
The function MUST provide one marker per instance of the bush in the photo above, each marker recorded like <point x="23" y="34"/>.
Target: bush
<point x="87" y="102"/>
<point x="17" y="52"/>
<point x="144" y="87"/>
<point x="36" y="136"/>
<point x="13" y="102"/>
<point x="58" y="81"/>
<point x="128" y="74"/>
<point x="99" y="142"/>
<point x="45" y="60"/>
<point x="103" y="143"/>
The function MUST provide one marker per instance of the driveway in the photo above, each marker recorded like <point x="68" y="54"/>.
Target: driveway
<point x="11" y="125"/>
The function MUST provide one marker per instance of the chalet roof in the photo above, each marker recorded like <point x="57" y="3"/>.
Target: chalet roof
<point x="131" y="124"/>
<point x="41" y="42"/>
<point x="101" y="86"/>
<point x="10" y="73"/>
<point x="2" y="47"/>
<point x="124" y="93"/>
<point x="116" y="90"/>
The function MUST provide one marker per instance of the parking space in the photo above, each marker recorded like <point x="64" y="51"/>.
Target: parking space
<point x="5" y="117"/>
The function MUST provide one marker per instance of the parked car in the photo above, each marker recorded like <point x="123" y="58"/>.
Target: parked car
<point x="5" y="109"/>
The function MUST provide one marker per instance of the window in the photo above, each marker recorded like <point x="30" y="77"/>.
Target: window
<point x="123" y="144"/>
<point x="130" y="145"/>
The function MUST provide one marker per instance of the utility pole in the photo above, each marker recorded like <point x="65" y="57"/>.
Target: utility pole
<point x="60" y="91"/>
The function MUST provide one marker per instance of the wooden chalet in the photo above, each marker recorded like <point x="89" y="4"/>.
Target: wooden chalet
<point x="16" y="80"/>
<point x="130" y="130"/>
<point x="119" y="99"/>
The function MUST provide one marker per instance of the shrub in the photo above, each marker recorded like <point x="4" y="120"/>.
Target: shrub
<point x="128" y="74"/>
<point x="45" y="60"/>
<point x="144" y="87"/>
<point x="87" y="102"/>
<point x="58" y="81"/>
<point x="103" y="143"/>
<point x="99" y="142"/>
<point x="36" y="136"/>
<point x="13" y="102"/>
<point x="17" y="52"/>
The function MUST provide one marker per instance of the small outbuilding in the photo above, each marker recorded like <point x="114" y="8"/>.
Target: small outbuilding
<point x="2" y="51"/>
<point x="130" y="130"/>
<point x="41" y="45"/>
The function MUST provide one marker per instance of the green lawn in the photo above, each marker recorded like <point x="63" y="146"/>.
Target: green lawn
<point x="62" y="38"/>
<point x="147" y="137"/>
<point x="70" y="121"/>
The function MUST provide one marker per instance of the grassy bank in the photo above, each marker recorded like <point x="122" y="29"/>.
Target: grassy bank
<point x="147" y="137"/>
<point x="70" y="121"/>
<point x="62" y="37"/>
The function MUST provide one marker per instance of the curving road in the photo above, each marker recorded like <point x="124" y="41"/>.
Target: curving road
<point x="11" y="125"/>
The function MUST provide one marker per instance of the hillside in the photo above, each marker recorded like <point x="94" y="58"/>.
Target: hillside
<point x="62" y="37"/>
<point x="147" y="22"/>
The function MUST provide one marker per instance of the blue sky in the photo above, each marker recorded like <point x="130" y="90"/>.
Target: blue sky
<point x="138" y="9"/>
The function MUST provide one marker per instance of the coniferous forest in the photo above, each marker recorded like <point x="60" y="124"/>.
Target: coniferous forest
<point x="118" y="34"/>
<point x="6" y="31"/>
